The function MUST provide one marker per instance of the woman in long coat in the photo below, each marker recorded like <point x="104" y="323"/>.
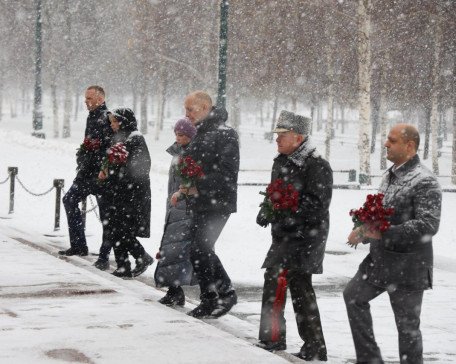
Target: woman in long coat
<point x="126" y="186"/>
<point x="174" y="268"/>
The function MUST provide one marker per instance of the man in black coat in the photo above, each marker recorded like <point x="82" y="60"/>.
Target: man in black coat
<point x="216" y="147"/>
<point x="400" y="260"/>
<point x="298" y="240"/>
<point x="90" y="155"/>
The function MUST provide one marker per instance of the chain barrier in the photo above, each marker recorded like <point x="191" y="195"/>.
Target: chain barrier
<point x="32" y="193"/>
<point x="94" y="207"/>
<point x="6" y="180"/>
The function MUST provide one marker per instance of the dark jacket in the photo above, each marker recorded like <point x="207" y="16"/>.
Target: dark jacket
<point x="97" y="127"/>
<point x="403" y="258"/>
<point x="299" y="241"/>
<point x="216" y="146"/>
<point x="174" y="267"/>
<point x="127" y="188"/>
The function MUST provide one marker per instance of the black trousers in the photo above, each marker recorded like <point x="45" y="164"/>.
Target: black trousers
<point x="212" y="277"/>
<point x="406" y="307"/>
<point x="122" y="235"/>
<point x="273" y="323"/>
<point x="78" y="192"/>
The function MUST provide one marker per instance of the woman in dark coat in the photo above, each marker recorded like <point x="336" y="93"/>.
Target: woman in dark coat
<point x="174" y="268"/>
<point x="126" y="188"/>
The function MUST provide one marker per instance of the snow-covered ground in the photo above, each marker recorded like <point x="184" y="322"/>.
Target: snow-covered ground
<point x="241" y="247"/>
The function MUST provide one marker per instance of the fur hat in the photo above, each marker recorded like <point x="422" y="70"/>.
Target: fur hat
<point x="289" y="121"/>
<point x="185" y="127"/>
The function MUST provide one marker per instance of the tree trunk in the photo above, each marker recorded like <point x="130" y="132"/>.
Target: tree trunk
<point x="364" y="58"/>
<point x="163" y="104"/>
<point x="236" y="113"/>
<point x="342" y="119"/>
<point x="66" y="131"/>
<point x="1" y="87"/>
<point x="76" y="109"/>
<point x="261" y="112"/>
<point x="329" y="122"/>
<point x="453" y="154"/>
<point x="427" y="131"/>
<point x="160" y="104"/>
<point x="143" y="107"/>
<point x="435" y="98"/>
<point x="293" y="101"/>
<point x="274" y="116"/>
<point x="375" y="116"/>
<point x="55" y="109"/>
<point x="330" y="90"/>
<point x="135" y="98"/>
<point x="383" y="125"/>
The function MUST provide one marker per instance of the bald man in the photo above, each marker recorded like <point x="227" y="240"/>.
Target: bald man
<point x="212" y="201"/>
<point x="400" y="259"/>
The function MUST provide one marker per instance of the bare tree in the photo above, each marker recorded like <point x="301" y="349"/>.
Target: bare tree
<point x="364" y="54"/>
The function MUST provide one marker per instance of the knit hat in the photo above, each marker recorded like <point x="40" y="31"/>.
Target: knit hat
<point x="185" y="127"/>
<point x="289" y="121"/>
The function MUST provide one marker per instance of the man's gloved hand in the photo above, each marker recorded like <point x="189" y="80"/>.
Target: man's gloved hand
<point x="261" y="220"/>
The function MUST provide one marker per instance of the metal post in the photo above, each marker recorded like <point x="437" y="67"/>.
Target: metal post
<point x="37" y="112"/>
<point x="364" y="179"/>
<point x="223" y="46"/>
<point x="58" y="184"/>
<point x="84" y="212"/>
<point x="13" y="172"/>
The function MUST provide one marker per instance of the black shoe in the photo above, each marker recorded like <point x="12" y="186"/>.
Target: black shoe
<point x="75" y="250"/>
<point x="174" y="297"/>
<point x="101" y="264"/>
<point x="142" y="264"/>
<point x="312" y="356"/>
<point x="123" y="273"/>
<point x="204" y="309"/>
<point x="224" y="304"/>
<point x="272" y="345"/>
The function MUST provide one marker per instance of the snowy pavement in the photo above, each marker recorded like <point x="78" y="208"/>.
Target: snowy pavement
<point x="63" y="310"/>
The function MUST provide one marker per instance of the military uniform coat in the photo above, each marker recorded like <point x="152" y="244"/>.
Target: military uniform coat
<point x="299" y="241"/>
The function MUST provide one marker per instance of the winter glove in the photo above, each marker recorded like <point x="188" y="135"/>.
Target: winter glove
<point x="261" y="219"/>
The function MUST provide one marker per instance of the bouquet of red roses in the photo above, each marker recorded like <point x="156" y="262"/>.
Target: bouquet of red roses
<point x="117" y="154"/>
<point x="89" y="144"/>
<point x="372" y="215"/>
<point x="189" y="171"/>
<point x="280" y="202"/>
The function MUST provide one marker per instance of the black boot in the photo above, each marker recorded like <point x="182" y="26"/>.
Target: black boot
<point x="101" y="264"/>
<point x="75" y="250"/>
<point x="272" y="345"/>
<point x="124" y="270"/>
<point x="225" y="303"/>
<point x="142" y="264"/>
<point x="204" y="309"/>
<point x="174" y="297"/>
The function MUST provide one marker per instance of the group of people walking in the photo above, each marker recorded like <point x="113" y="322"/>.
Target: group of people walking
<point x="114" y="165"/>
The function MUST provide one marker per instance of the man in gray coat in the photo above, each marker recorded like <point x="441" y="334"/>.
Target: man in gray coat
<point x="298" y="241"/>
<point x="400" y="259"/>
